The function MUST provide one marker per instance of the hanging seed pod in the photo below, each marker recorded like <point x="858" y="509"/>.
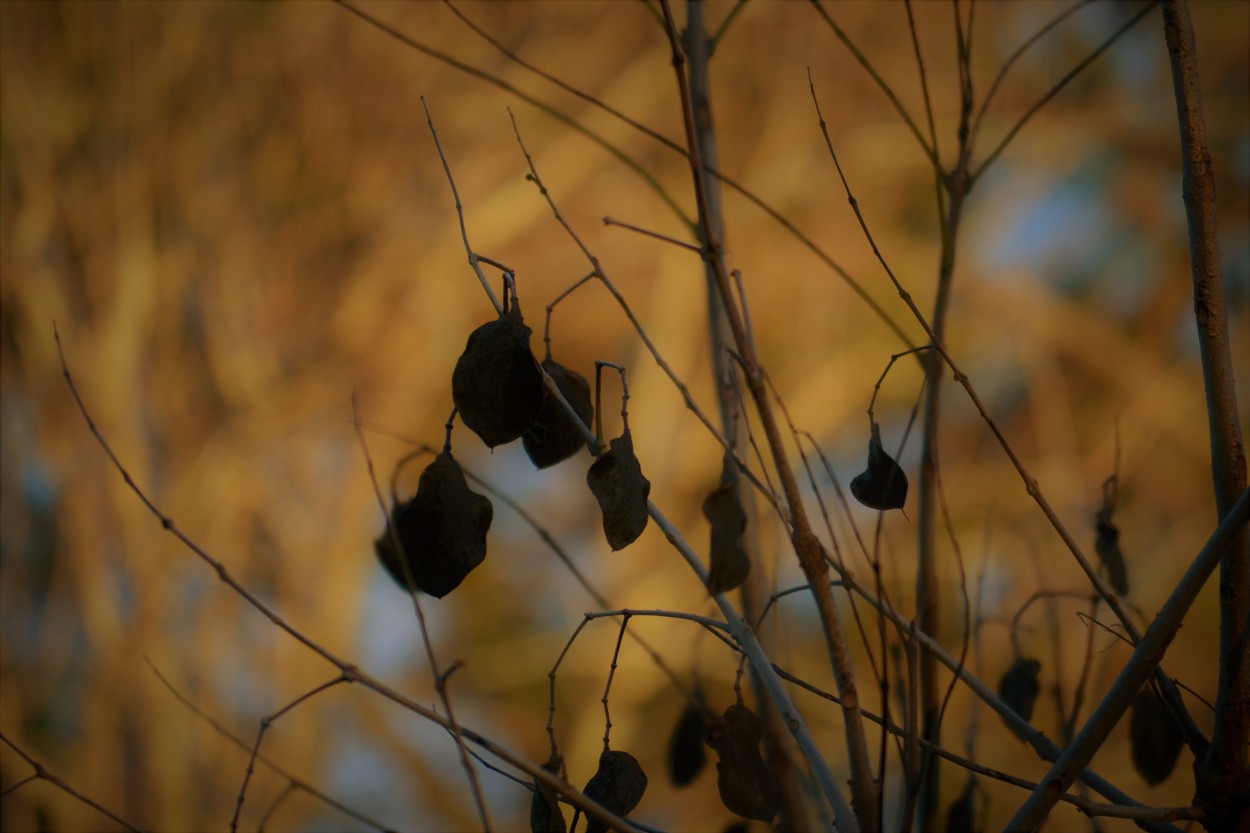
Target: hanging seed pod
<point x="442" y="530"/>
<point x="1154" y="738"/>
<point x="686" y="757"/>
<point x="545" y="815"/>
<point x="1019" y="687"/>
<point x="554" y="436"/>
<point x="617" y="483"/>
<point x="883" y="485"/>
<point x="618" y="785"/>
<point x="1107" y="544"/>
<point x="1107" y="539"/>
<point x="496" y="385"/>
<point x="962" y="815"/>
<point x="747" y="787"/>
<point x="728" y="564"/>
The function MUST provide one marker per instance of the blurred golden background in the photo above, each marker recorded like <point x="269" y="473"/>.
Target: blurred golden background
<point x="236" y="216"/>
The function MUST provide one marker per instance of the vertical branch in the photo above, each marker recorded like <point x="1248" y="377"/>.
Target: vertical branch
<point x="1226" y="766"/>
<point x="810" y="552"/>
<point x="698" y="49"/>
<point x="927" y="603"/>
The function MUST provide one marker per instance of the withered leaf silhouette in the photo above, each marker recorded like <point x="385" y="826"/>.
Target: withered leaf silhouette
<point x="729" y="564"/>
<point x="442" y="530"/>
<point x="618" y="785"/>
<point x="554" y="436"/>
<point x="1107" y="545"/>
<point x="616" y="481"/>
<point x="496" y="386"/>
<point x="545" y="815"/>
<point x="1154" y="738"/>
<point x="747" y="787"/>
<point x="883" y="485"/>
<point x="686" y="757"/>
<point x="1019" y="687"/>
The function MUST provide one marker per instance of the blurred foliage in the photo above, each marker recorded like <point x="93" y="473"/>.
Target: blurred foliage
<point x="237" y="218"/>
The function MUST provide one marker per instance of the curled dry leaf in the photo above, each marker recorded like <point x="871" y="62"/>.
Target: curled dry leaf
<point x="1019" y="687"/>
<point x="1154" y="738"/>
<point x="442" y="530"/>
<point x="618" y="785"/>
<point x="747" y="787"/>
<point x="883" y="485"/>
<point x="686" y="757"/>
<point x="545" y="815"/>
<point x="496" y="385"/>
<point x="554" y="436"/>
<point x="617" y="483"/>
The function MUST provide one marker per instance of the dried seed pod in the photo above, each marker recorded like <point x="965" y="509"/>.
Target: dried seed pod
<point x="496" y="385"/>
<point x="545" y="815"/>
<point x="1107" y="544"/>
<point x="1019" y="687"/>
<point x="747" y="787"/>
<point x="729" y="564"/>
<point x="1154" y="738"/>
<point x="617" y="483"/>
<point x="883" y="485"/>
<point x="554" y="436"/>
<point x="442" y="530"/>
<point x="618" y="785"/>
<point x="685" y="748"/>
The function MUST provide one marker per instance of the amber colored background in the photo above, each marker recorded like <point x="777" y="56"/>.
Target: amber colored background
<point x="236" y="217"/>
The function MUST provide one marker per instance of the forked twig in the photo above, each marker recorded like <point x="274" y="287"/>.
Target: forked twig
<point x="294" y="782"/>
<point x="265" y="723"/>
<point x="42" y="774"/>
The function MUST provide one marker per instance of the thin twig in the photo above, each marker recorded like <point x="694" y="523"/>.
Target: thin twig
<point x="863" y="61"/>
<point x="464" y="234"/>
<point x="42" y="774"/>
<point x="1054" y="91"/>
<point x="608" y="221"/>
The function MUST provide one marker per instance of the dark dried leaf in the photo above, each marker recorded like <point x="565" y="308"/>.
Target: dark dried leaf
<point x="617" y="483"/>
<point x="729" y="564"/>
<point x="442" y="530"/>
<point x="1107" y="543"/>
<point x="962" y="814"/>
<point x="1019" y="687"/>
<point x="747" y="787"/>
<point x="554" y="436"/>
<point x="1154" y="738"/>
<point x="685" y="748"/>
<point x="496" y="385"/>
<point x="545" y="815"/>
<point x="883" y="485"/>
<point x="618" y="785"/>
